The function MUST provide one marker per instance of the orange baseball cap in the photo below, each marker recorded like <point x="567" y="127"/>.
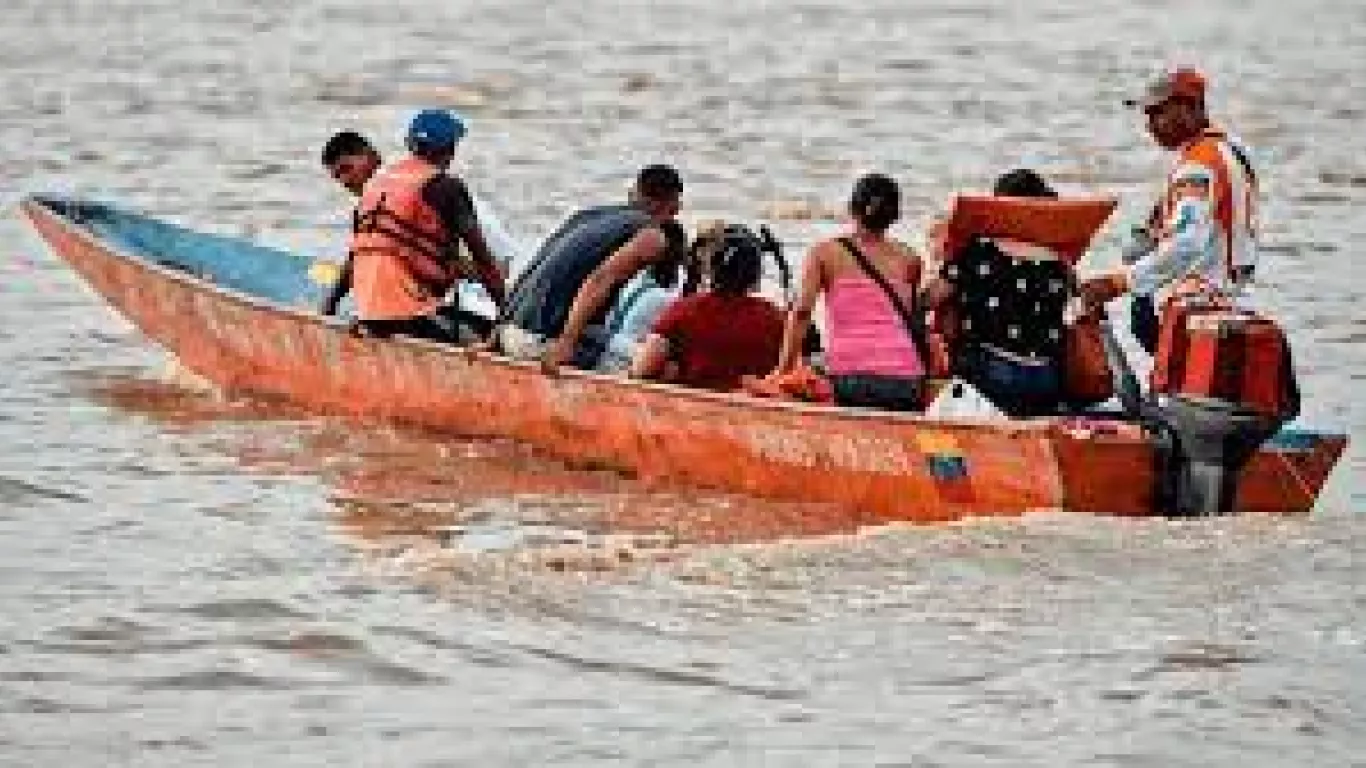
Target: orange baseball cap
<point x="1178" y="83"/>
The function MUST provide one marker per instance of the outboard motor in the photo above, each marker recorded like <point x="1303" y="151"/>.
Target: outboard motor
<point x="1223" y="383"/>
<point x="1207" y="445"/>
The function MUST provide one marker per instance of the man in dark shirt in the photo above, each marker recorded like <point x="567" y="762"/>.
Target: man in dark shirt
<point x="556" y="311"/>
<point x="353" y="162"/>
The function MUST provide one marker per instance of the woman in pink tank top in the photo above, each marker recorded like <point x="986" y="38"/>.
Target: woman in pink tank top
<point x="871" y="356"/>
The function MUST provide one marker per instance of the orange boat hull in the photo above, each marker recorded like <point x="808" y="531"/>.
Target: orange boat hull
<point x="881" y="467"/>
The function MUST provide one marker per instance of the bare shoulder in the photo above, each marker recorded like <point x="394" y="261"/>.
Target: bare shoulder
<point x="824" y="249"/>
<point x="903" y="257"/>
<point x="652" y="237"/>
<point x="645" y="245"/>
<point x="904" y="250"/>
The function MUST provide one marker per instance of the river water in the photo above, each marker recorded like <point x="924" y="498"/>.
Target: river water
<point x="190" y="580"/>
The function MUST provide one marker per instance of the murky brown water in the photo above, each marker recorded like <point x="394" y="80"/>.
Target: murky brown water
<point x="190" y="581"/>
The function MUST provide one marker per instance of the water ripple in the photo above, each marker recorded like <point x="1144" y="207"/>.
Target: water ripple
<point x="664" y="675"/>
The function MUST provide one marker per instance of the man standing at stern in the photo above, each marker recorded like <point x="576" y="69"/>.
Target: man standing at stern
<point x="1204" y="224"/>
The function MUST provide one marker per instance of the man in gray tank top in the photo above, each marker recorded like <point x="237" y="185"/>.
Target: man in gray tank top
<point x="555" y="312"/>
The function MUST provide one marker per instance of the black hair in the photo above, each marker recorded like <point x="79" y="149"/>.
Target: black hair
<point x="692" y="268"/>
<point x="1022" y="182"/>
<point x="665" y="271"/>
<point x="659" y="182"/>
<point x="875" y="202"/>
<point x="343" y="144"/>
<point x="737" y="262"/>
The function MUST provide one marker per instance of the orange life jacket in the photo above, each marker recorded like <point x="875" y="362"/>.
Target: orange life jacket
<point x="1234" y="204"/>
<point x="1208" y="349"/>
<point x="1063" y="225"/>
<point x="400" y="248"/>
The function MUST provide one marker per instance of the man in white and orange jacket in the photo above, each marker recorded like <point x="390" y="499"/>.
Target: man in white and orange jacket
<point x="1204" y="227"/>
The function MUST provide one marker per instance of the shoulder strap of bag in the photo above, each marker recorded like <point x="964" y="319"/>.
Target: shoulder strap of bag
<point x="1237" y="151"/>
<point x="913" y="323"/>
<point x="1243" y="160"/>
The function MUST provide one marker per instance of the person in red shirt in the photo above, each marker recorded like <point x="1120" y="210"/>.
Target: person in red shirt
<point x="710" y="340"/>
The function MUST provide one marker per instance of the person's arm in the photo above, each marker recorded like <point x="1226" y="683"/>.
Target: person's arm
<point x="338" y="289"/>
<point x="451" y="200"/>
<point x="486" y="269"/>
<point x="1185" y="235"/>
<point x="943" y="282"/>
<point x="651" y="357"/>
<point x="654" y="353"/>
<point x="936" y="292"/>
<point x="940" y="282"/>
<point x="645" y="248"/>
<point x="914" y="269"/>
<point x="799" y="315"/>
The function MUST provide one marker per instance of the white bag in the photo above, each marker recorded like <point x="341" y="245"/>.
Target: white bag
<point x="960" y="400"/>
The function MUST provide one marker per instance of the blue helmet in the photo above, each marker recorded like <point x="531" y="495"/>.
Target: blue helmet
<point x="436" y="129"/>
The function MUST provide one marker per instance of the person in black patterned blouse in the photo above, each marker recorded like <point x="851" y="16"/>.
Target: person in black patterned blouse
<point x="1008" y="298"/>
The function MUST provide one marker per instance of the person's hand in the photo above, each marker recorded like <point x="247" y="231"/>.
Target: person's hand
<point x="1141" y="243"/>
<point x="473" y="350"/>
<point x="557" y="352"/>
<point x="936" y="292"/>
<point x="1099" y="290"/>
<point x="1092" y="292"/>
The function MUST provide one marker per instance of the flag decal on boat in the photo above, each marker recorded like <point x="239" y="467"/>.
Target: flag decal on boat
<point x="947" y="467"/>
<point x="943" y="456"/>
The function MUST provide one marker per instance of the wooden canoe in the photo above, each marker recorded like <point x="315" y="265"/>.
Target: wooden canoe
<point x="240" y="315"/>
